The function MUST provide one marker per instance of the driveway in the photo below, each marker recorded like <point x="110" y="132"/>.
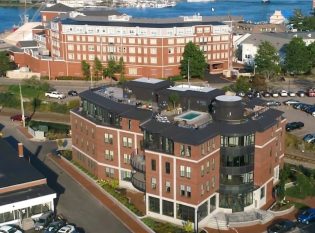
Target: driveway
<point x="74" y="202"/>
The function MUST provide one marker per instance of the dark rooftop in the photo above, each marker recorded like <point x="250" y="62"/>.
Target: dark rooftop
<point x="25" y="194"/>
<point x="27" y="44"/>
<point x="15" y="170"/>
<point x="59" y="7"/>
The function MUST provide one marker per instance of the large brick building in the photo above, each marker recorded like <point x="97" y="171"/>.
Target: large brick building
<point x="149" y="47"/>
<point x="211" y="153"/>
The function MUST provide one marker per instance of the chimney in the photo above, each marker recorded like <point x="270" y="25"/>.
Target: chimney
<point x="20" y="150"/>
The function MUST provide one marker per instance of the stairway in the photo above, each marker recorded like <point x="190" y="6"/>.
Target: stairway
<point x="218" y="221"/>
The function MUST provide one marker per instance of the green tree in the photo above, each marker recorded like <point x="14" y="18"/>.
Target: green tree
<point x="85" y="68"/>
<point x="259" y="83"/>
<point x="5" y="64"/>
<point x="297" y="19"/>
<point x="311" y="49"/>
<point x="111" y="68"/>
<point x="267" y="60"/>
<point x="196" y="59"/>
<point x="174" y="99"/>
<point x="120" y="68"/>
<point x="297" y="58"/>
<point x="242" y="84"/>
<point x="97" y="67"/>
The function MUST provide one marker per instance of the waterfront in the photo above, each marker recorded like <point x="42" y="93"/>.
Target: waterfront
<point x="252" y="10"/>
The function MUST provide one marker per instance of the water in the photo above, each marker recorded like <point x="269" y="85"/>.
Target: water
<point x="252" y="10"/>
<point x="10" y="16"/>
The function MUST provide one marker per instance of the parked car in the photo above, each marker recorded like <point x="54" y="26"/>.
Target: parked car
<point x="283" y="93"/>
<point x="266" y="94"/>
<point x="309" y="138"/>
<point x="273" y="103"/>
<point x="301" y="93"/>
<point x="294" y="125"/>
<point x="54" y="94"/>
<point x="67" y="229"/>
<point x="9" y="229"/>
<point x="240" y="93"/>
<point x="311" y="92"/>
<point x="73" y="93"/>
<point x="275" y="94"/>
<point x="281" y="226"/>
<point x="291" y="101"/>
<point x="44" y="220"/>
<point x="18" y="117"/>
<point x="306" y="216"/>
<point x="305" y="107"/>
<point x="291" y="94"/>
<point x="250" y="95"/>
<point x="55" y="226"/>
<point x="310" y="109"/>
<point x="297" y="105"/>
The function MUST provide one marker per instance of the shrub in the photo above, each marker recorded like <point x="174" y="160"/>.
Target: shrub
<point x="69" y="78"/>
<point x="73" y="104"/>
<point x="9" y="100"/>
<point x="59" y="108"/>
<point x="67" y="154"/>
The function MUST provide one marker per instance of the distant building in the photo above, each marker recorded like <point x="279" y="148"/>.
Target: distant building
<point x="277" y="18"/>
<point x="213" y="153"/>
<point x="24" y="193"/>
<point x="249" y="27"/>
<point x="249" y="46"/>
<point x="149" y="47"/>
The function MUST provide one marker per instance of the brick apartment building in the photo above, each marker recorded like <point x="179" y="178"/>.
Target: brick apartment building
<point x="149" y="47"/>
<point x="211" y="153"/>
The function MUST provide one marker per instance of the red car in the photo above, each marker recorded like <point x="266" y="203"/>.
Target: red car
<point x="18" y="117"/>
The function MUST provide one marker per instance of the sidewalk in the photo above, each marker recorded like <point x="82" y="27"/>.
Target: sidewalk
<point x="257" y="228"/>
<point x="127" y="219"/>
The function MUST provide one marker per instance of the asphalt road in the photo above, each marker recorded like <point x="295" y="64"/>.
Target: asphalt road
<point x="75" y="203"/>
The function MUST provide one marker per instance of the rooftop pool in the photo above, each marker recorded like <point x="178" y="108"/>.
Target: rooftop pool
<point x="189" y="116"/>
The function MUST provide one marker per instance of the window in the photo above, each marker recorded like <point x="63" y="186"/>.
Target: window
<point x="70" y="47"/>
<point x="202" y="188"/>
<point x="213" y="181"/>
<point x="129" y="142"/>
<point x="109" y="172"/>
<point x="208" y="186"/>
<point x="213" y="164"/>
<point x="153" y="164"/>
<point x="126" y="159"/>
<point x="154" y="204"/>
<point x="208" y="167"/>
<point x="153" y="183"/>
<point x="182" y="190"/>
<point x="182" y="150"/>
<point x="153" y="50"/>
<point x="129" y="124"/>
<point x="91" y="48"/>
<point x="188" y="172"/>
<point x="182" y="171"/>
<point x="168" y="186"/>
<point x="202" y="170"/>
<point x="153" y="60"/>
<point x="168" y="208"/>
<point x="125" y="141"/>
<point x="109" y="155"/>
<point x="152" y="41"/>
<point x="108" y="138"/>
<point x="188" y="191"/>
<point x="185" y="150"/>
<point x="262" y="192"/>
<point x="167" y="168"/>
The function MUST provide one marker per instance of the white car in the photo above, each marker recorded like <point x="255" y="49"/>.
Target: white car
<point x="283" y="93"/>
<point x="67" y="229"/>
<point x="292" y="94"/>
<point x="275" y="94"/>
<point x="9" y="229"/>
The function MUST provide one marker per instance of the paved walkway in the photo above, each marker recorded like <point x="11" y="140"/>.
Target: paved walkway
<point x="132" y="224"/>
<point x="254" y="229"/>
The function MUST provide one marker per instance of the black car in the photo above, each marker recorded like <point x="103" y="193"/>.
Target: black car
<point x="55" y="226"/>
<point x="72" y="93"/>
<point x="273" y="103"/>
<point x="281" y="226"/>
<point x="294" y="125"/>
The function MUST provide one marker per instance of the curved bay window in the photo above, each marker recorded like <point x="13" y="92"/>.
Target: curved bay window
<point x="236" y="202"/>
<point x="246" y="178"/>
<point x="232" y="141"/>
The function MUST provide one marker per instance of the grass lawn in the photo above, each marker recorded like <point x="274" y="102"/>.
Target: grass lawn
<point x="161" y="227"/>
<point x="27" y="91"/>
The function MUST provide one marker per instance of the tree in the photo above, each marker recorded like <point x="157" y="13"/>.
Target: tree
<point x="267" y="60"/>
<point x="111" y="68"/>
<point x="5" y="64"/>
<point x="311" y="49"/>
<point x="259" y="83"/>
<point x="297" y="19"/>
<point x="241" y="84"/>
<point x="85" y="68"/>
<point x="297" y="58"/>
<point x="97" y="67"/>
<point x="120" y="68"/>
<point x="174" y="98"/>
<point x="196" y="59"/>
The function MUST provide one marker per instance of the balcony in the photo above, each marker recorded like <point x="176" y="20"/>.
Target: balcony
<point x="137" y="162"/>
<point x="236" y="189"/>
<point x="138" y="181"/>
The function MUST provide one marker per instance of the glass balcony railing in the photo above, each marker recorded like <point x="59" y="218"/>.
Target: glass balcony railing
<point x="137" y="162"/>
<point x="138" y="181"/>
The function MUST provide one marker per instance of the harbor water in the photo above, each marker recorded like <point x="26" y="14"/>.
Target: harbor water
<point x="251" y="10"/>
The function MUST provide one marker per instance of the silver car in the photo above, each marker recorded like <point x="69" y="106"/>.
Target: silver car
<point x="44" y="220"/>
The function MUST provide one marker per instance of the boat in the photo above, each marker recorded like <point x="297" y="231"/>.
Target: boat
<point x="200" y="0"/>
<point x="265" y="1"/>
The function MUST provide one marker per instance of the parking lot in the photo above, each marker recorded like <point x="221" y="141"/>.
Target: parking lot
<point x="292" y="114"/>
